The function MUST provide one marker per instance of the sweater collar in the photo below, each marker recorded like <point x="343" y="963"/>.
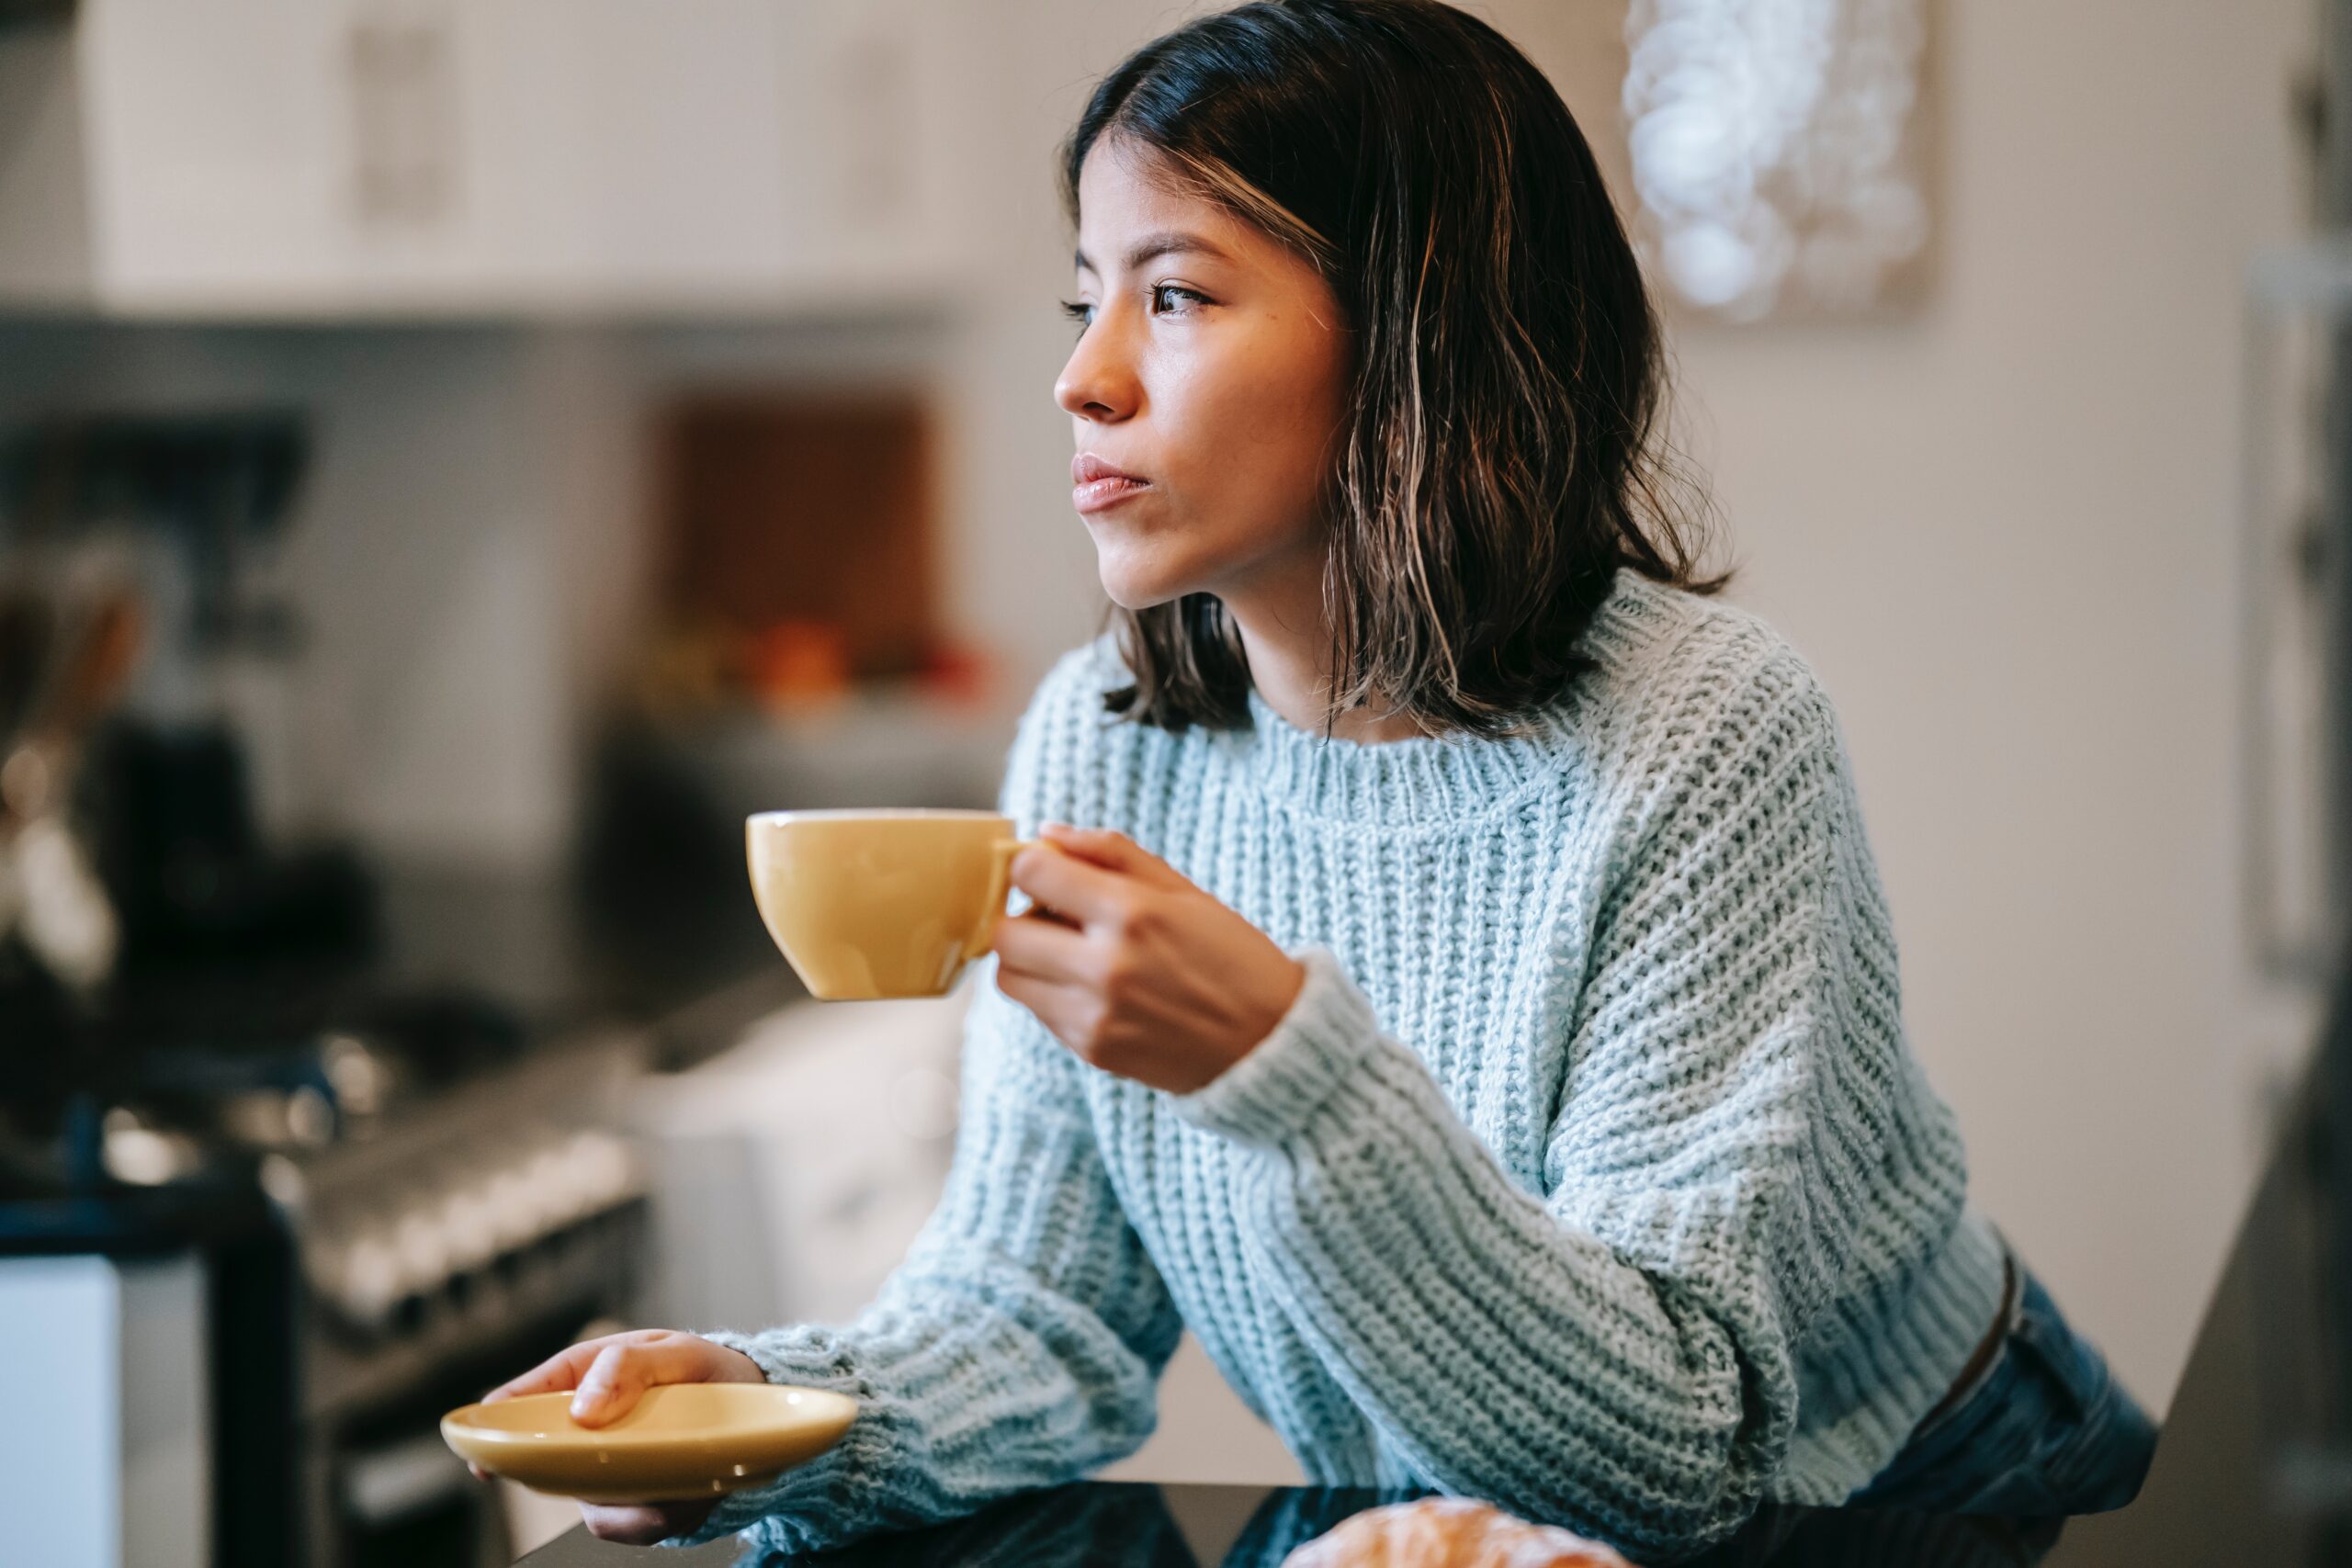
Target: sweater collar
<point x="1433" y="780"/>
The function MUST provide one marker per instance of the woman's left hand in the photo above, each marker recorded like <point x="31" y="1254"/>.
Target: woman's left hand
<point x="1136" y="969"/>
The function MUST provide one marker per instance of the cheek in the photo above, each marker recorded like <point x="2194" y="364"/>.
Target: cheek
<point x="1254" y="429"/>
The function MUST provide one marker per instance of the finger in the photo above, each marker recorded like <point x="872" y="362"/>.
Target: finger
<point x="563" y="1370"/>
<point x="1041" y="947"/>
<point x="1078" y="889"/>
<point x="635" y="1524"/>
<point x="622" y="1372"/>
<point x="1114" y="850"/>
<point x="557" y="1373"/>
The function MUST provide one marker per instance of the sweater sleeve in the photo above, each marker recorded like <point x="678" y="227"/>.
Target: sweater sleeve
<point x="1020" y="1342"/>
<point x="1615" y="1352"/>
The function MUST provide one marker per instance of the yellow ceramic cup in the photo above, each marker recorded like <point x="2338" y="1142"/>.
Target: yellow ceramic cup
<point x="870" y="904"/>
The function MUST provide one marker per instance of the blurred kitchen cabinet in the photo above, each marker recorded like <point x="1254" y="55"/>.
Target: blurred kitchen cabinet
<point x="247" y="157"/>
<point x="265" y="158"/>
<point x="725" y="150"/>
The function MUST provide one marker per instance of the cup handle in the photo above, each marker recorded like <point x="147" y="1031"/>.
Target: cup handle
<point x="1000" y="885"/>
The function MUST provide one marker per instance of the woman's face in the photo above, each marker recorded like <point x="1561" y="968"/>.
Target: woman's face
<point x="1213" y="368"/>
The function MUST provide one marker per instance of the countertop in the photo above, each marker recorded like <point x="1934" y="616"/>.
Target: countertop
<point x="1109" y="1524"/>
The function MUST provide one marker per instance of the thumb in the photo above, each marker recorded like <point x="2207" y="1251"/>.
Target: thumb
<point x="1114" y="851"/>
<point x="610" y="1387"/>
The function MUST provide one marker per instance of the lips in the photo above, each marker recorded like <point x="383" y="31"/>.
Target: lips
<point x="1095" y="484"/>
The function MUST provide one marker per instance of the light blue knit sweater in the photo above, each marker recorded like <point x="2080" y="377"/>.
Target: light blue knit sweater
<point x="1591" y="1173"/>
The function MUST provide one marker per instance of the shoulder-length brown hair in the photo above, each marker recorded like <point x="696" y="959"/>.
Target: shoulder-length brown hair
<point x="1501" y="456"/>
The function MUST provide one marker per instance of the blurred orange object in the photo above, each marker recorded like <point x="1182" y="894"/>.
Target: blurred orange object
<point x="960" y="673"/>
<point x="799" y="664"/>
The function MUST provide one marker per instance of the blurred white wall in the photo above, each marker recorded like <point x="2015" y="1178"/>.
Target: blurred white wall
<point x="2004" y="533"/>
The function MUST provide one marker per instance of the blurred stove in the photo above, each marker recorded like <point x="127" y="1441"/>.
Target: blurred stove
<point x="432" y="1190"/>
<point x="433" y="1255"/>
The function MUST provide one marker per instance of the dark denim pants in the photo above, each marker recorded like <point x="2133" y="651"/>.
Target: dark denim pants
<point x="2045" y="1431"/>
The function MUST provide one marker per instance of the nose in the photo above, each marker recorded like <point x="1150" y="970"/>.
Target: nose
<point x="1099" y="380"/>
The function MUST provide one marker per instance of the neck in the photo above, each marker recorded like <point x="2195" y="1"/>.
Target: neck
<point x="1288" y="639"/>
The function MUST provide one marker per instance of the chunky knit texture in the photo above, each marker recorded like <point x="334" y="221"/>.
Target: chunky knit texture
<point x="1591" y="1173"/>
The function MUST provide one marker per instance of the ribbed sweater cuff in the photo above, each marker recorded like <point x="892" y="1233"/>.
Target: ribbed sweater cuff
<point x="819" y="1489"/>
<point x="1266" y="1098"/>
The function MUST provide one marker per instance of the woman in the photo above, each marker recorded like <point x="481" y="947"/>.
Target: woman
<point x="1470" y="1006"/>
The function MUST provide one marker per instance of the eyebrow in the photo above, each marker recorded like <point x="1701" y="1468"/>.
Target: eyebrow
<point x="1166" y="243"/>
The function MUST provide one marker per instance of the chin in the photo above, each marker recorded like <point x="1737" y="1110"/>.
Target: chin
<point x="1139" y="584"/>
<point x="1128" y="598"/>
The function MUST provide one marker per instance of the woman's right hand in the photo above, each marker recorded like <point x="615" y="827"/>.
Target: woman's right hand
<point x="606" y="1376"/>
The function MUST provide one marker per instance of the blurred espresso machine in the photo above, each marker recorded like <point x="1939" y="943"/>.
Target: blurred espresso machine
<point x="145" y="667"/>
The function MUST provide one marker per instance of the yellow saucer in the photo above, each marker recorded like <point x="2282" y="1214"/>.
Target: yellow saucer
<point x="681" y="1440"/>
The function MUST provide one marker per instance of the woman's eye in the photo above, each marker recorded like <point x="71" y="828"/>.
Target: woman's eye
<point x="1083" y="313"/>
